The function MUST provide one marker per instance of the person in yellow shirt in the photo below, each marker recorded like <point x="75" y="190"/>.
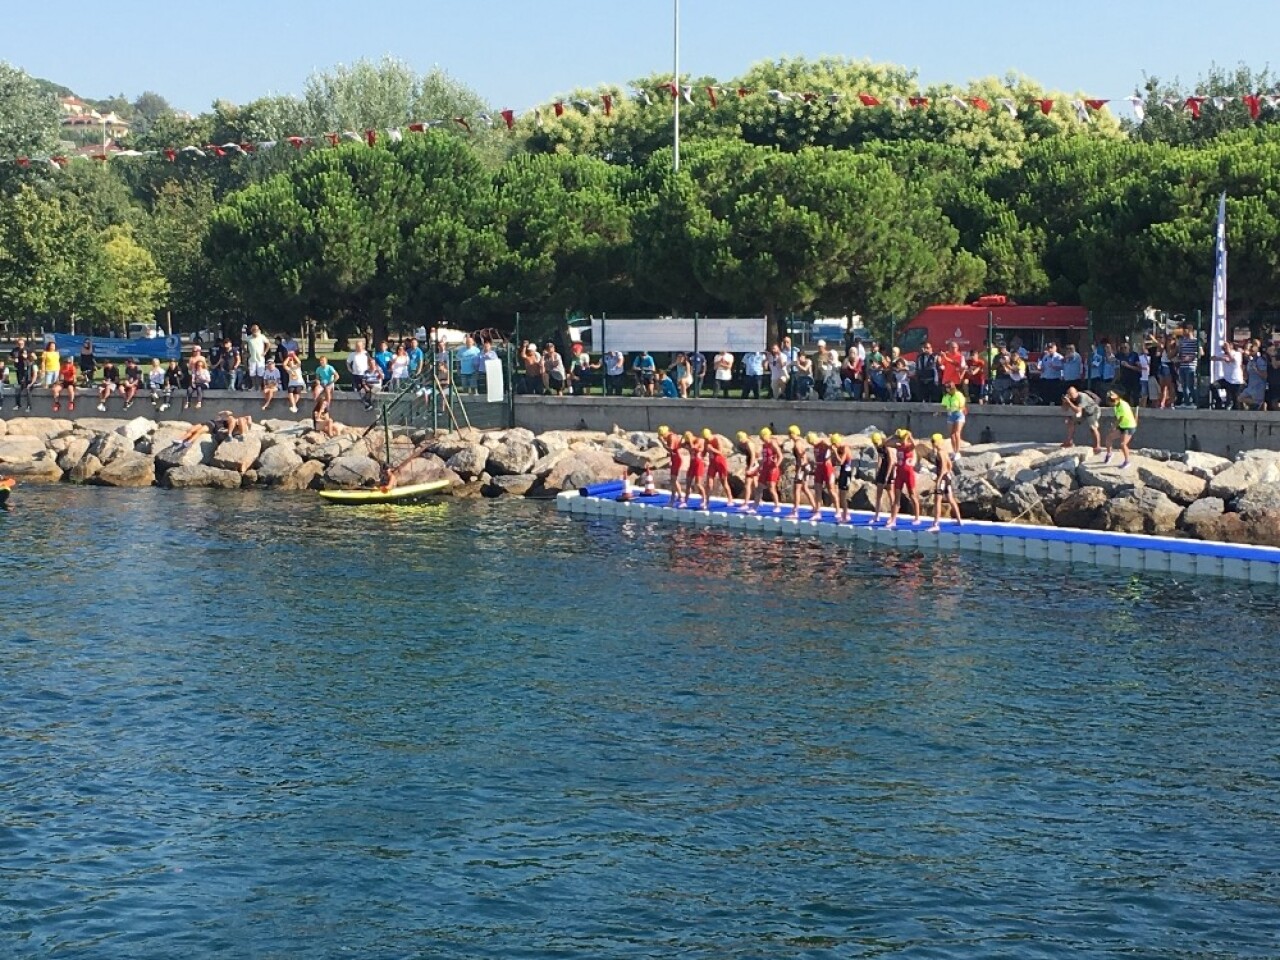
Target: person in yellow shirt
<point x="50" y="364"/>
<point x="1125" y="425"/>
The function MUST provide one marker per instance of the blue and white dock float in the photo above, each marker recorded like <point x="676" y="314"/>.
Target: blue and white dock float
<point x="1129" y="551"/>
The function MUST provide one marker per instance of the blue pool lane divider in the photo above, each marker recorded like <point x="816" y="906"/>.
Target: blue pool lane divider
<point x="1130" y="551"/>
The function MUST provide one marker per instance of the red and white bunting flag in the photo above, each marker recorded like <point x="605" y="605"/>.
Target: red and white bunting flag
<point x="1274" y="99"/>
<point x="834" y="98"/>
<point x="711" y="95"/>
<point x="980" y="104"/>
<point x="900" y="103"/>
<point x="673" y="89"/>
<point x="1096" y="104"/>
<point x="170" y="154"/>
<point x="868" y="100"/>
<point x="509" y="118"/>
<point x="1194" y="104"/>
<point x="417" y="128"/>
<point x="687" y="94"/>
<point x="263" y="145"/>
<point x="558" y="108"/>
<point x="808" y="97"/>
<point x="537" y="118"/>
<point x="1046" y="106"/>
<point x="194" y="151"/>
<point x="1009" y="106"/>
<point x="957" y="101"/>
<point x="371" y="136"/>
<point x="462" y="122"/>
<point x="60" y="162"/>
<point x="918" y="103"/>
<point x="583" y="105"/>
<point x="607" y="100"/>
<point x="1253" y="104"/>
<point x="1172" y="104"/>
<point x="1081" y="111"/>
<point x="777" y="96"/>
<point x="742" y="92"/>
<point x="1139" y="108"/>
<point x="24" y="162"/>
<point x="643" y="96"/>
<point x="395" y="135"/>
<point x="1221" y="102"/>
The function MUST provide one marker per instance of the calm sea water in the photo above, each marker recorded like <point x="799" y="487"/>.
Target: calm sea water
<point x="245" y="725"/>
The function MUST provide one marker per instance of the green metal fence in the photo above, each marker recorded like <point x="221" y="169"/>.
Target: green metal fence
<point x="440" y="399"/>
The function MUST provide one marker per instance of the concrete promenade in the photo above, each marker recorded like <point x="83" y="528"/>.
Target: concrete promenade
<point x="1220" y="432"/>
<point x="347" y="407"/>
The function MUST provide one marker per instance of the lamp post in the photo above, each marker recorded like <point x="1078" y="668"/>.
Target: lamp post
<point x="675" y="134"/>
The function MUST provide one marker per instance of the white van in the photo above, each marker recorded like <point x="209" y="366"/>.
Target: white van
<point x="143" y="331"/>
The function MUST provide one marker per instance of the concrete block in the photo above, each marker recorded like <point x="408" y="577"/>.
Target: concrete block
<point x="1132" y="558"/>
<point x="1082" y="553"/>
<point x="1235" y="569"/>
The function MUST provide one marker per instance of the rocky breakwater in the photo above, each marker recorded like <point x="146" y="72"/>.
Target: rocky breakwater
<point x="1159" y="492"/>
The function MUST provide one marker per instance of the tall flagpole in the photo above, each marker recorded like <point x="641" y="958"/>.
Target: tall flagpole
<point x="675" y="133"/>
<point x="1218" y="332"/>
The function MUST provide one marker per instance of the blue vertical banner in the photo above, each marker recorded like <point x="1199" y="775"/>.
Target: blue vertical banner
<point x="1218" y="310"/>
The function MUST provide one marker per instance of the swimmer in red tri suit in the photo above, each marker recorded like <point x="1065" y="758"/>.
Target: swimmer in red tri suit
<point x="843" y="464"/>
<point x="824" y="474"/>
<point x="697" y="470"/>
<point x="752" y="476"/>
<point x="904" y="476"/>
<point x="945" y="488"/>
<point x="884" y="470"/>
<point x="770" y="470"/>
<point x="717" y="466"/>
<point x="671" y="443"/>
<point x="804" y="472"/>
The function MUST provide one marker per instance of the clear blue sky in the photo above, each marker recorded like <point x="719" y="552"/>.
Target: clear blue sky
<point x="517" y="53"/>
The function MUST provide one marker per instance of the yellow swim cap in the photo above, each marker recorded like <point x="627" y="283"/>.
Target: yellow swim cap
<point x="936" y="438"/>
<point x="793" y="430"/>
<point x="706" y="433"/>
<point x="742" y="436"/>
<point x="688" y="434"/>
<point x="836" y="439"/>
<point x="663" y="430"/>
<point x="902" y="433"/>
<point x="765" y="433"/>
<point x="812" y="437"/>
<point x="877" y="439"/>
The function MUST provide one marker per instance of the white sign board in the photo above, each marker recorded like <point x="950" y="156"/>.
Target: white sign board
<point x="668" y="334"/>
<point x="493" y="380"/>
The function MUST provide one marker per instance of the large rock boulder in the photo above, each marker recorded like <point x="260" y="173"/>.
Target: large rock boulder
<point x="40" y="427"/>
<point x="546" y="464"/>
<point x="238" y="454"/>
<point x="1010" y="471"/>
<point x="977" y="463"/>
<point x="446" y="445"/>
<point x="353" y="471"/>
<point x="326" y="450"/>
<point x="277" y="463"/>
<point x="1205" y="465"/>
<point x="976" y="496"/>
<point x="1142" y="510"/>
<point x="1054" y="486"/>
<point x="127" y="470"/>
<point x="1082" y="509"/>
<point x="1258" y="499"/>
<point x="1223" y="527"/>
<point x="1022" y="504"/>
<point x="109" y="446"/>
<point x="580" y="469"/>
<point x="18" y="448"/>
<point x="136" y="429"/>
<point x="643" y="441"/>
<point x="516" y="485"/>
<point x="427" y="468"/>
<point x="199" y="475"/>
<point x="171" y="455"/>
<point x="70" y="451"/>
<point x="650" y="457"/>
<point x="1108" y="477"/>
<point x="512" y="455"/>
<point x="1206" y="510"/>
<point x="86" y="468"/>
<point x="470" y="461"/>
<point x="1262" y="527"/>
<point x="305" y="477"/>
<point x="42" y="468"/>
<point x="1179" y="485"/>
<point x="1240" y="476"/>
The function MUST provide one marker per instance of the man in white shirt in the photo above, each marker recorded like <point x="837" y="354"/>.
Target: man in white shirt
<point x="358" y="363"/>
<point x="255" y="345"/>
<point x="723" y="364"/>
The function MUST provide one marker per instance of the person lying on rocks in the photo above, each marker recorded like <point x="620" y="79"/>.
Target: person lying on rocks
<point x="224" y="426"/>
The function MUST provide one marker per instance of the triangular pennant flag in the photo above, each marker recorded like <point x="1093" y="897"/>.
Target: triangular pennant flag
<point x="192" y="150"/>
<point x="1274" y="99"/>
<point x="462" y="122"/>
<point x="1096" y="104"/>
<point x="351" y="136"/>
<point x="1172" y="104"/>
<point x="1046" y="106"/>
<point x="418" y="127"/>
<point x="918" y="102"/>
<point x="261" y="145"/>
<point x="808" y="97"/>
<point x="394" y="135"/>
<point x="1009" y="106"/>
<point x="687" y="94"/>
<point x="583" y="105"/>
<point x="868" y="100"/>
<point x="295" y="142"/>
<point x="170" y="154"/>
<point x="742" y="92"/>
<point x="1221" y="102"/>
<point x="215" y="150"/>
<point x="643" y="97"/>
<point x="1139" y="109"/>
<point x="333" y="139"/>
<point x="61" y="162"/>
<point x="777" y="96"/>
<point x="834" y="98"/>
<point x="953" y="99"/>
<point x="509" y="118"/>
<point x="558" y="108"/>
<point x="485" y="119"/>
<point x="1194" y="104"/>
<point x="711" y="95"/>
<point x="1081" y="111"/>
<point x="24" y="162"/>
<point x="607" y="100"/>
<point x="673" y="89"/>
<point x="900" y="103"/>
<point x="1253" y="103"/>
<point x="371" y="136"/>
<point x="537" y="118"/>
<point x="980" y="104"/>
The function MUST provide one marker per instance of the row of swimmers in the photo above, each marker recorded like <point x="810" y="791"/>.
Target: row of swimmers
<point x="824" y="468"/>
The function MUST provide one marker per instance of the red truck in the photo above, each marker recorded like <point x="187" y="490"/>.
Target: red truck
<point x="969" y="324"/>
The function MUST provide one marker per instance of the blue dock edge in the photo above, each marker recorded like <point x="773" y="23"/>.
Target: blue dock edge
<point x="1130" y="551"/>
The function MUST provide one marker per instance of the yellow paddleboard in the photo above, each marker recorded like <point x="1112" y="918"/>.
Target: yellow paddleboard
<point x="409" y="494"/>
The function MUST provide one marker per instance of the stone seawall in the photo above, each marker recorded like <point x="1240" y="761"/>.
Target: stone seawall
<point x="1160" y="492"/>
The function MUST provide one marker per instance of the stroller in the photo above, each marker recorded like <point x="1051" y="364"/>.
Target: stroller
<point x="1220" y="396"/>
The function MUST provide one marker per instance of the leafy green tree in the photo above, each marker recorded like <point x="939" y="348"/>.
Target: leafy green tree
<point x="28" y="116"/>
<point x="131" y="286"/>
<point x="1169" y="119"/>
<point x="174" y="233"/>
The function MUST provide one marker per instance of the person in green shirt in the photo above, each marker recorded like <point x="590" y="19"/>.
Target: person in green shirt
<point x="954" y="405"/>
<point x="1126" y="423"/>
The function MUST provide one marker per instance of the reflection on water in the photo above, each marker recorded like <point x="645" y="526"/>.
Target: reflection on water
<point x="252" y="725"/>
